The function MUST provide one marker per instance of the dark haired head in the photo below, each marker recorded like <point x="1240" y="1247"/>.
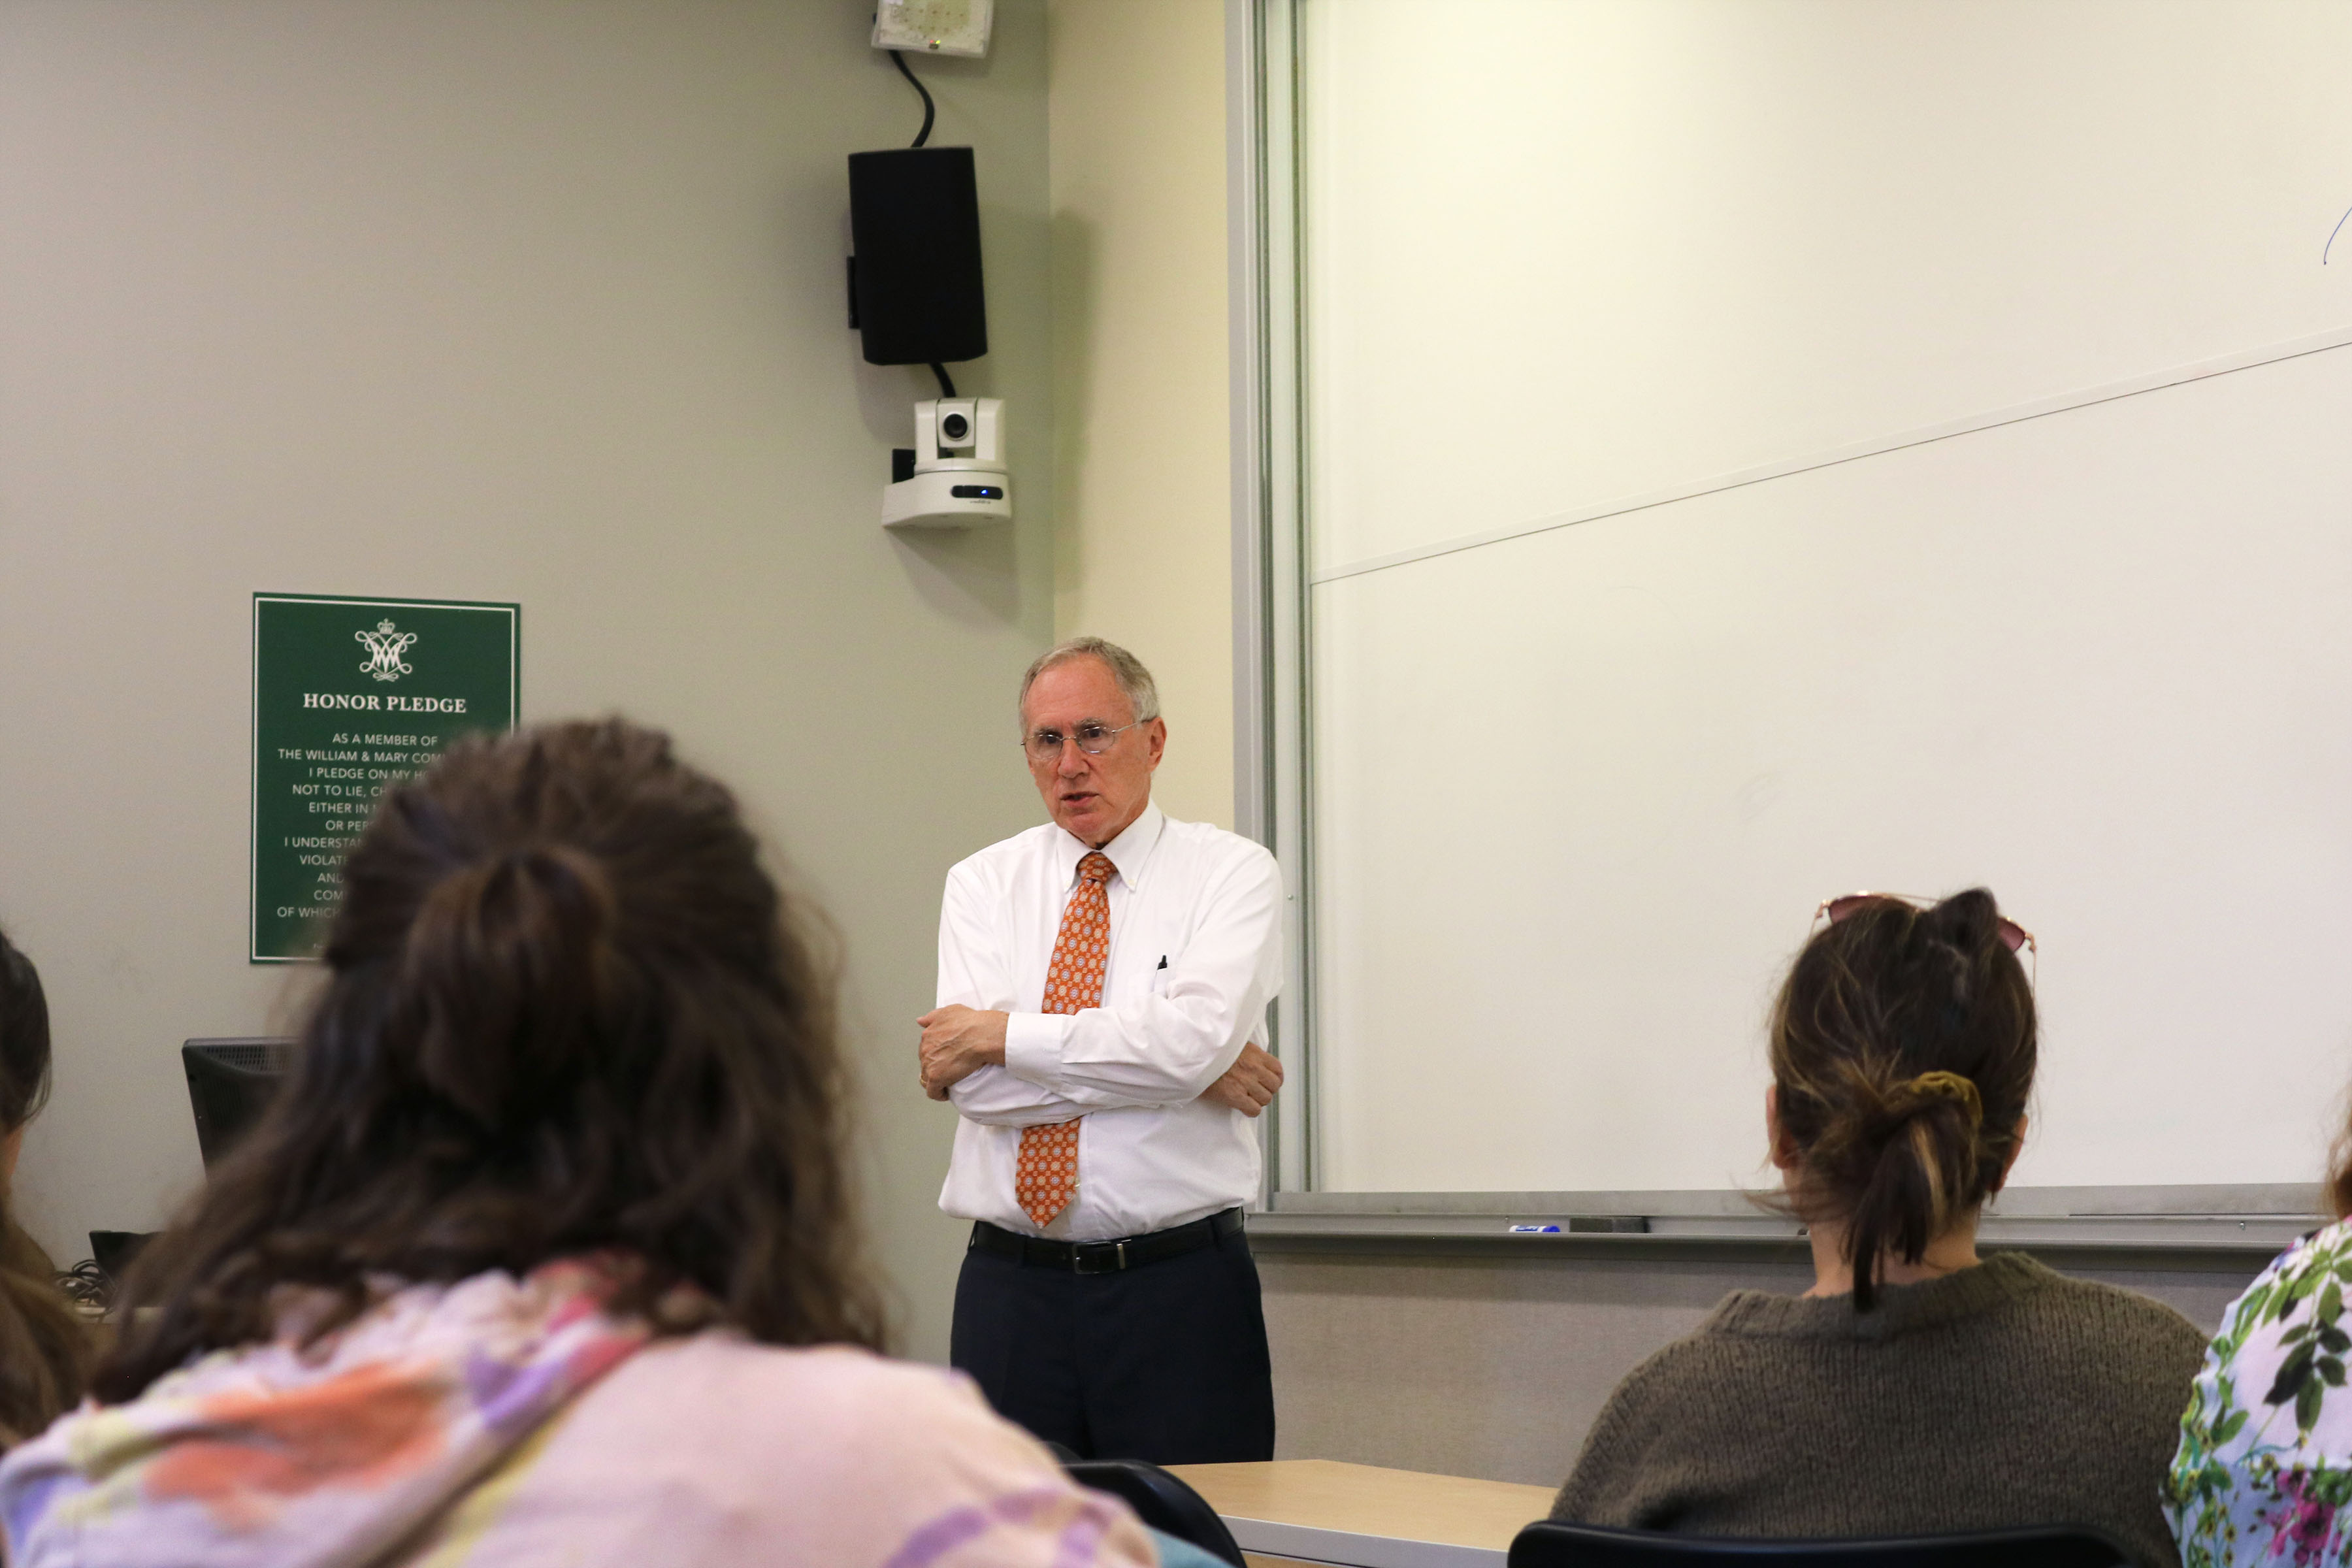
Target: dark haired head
<point x="44" y="1348"/>
<point x="564" y="1012"/>
<point x="1903" y="1053"/>
<point x="24" y="1040"/>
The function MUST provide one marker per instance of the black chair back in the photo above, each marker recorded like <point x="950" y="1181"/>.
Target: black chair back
<point x="1547" y="1545"/>
<point x="1162" y="1502"/>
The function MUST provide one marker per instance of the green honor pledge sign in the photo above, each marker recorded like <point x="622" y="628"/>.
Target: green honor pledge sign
<point x="349" y="696"/>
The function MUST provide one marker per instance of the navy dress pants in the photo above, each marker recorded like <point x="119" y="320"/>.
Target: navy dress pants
<point x="1164" y="1361"/>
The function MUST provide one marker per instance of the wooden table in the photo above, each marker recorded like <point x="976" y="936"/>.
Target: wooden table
<point x="1320" y="1510"/>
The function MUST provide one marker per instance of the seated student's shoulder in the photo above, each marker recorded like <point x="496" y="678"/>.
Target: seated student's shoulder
<point x="2010" y="1305"/>
<point x="1696" y="1388"/>
<point x="835" y="1454"/>
<point x="2090" y="1315"/>
<point x="838" y="1409"/>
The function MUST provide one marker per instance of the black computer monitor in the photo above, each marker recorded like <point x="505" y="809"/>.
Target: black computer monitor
<point x="230" y="1083"/>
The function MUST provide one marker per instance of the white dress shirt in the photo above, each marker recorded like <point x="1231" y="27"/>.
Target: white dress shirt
<point x="1195" y="955"/>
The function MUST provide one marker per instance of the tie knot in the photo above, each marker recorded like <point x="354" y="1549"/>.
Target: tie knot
<point x="1095" y="868"/>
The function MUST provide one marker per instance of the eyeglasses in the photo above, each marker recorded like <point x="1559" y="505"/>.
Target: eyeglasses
<point x="2013" y="936"/>
<point x="1094" y="738"/>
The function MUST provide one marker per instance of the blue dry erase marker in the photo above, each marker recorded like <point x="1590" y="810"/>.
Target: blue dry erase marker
<point x="1535" y="1230"/>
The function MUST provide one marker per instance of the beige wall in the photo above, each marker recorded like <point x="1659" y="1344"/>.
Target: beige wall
<point x="538" y="301"/>
<point x="1137" y="127"/>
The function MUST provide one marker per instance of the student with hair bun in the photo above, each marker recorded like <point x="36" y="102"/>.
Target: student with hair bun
<point x="545" y="1252"/>
<point x="1916" y="1388"/>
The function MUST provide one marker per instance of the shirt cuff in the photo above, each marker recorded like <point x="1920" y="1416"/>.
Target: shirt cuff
<point x="1032" y="1047"/>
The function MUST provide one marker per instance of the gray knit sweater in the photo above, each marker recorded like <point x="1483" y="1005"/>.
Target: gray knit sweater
<point x="2003" y="1394"/>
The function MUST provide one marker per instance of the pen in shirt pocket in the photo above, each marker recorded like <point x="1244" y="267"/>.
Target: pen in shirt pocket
<point x="1159" y="977"/>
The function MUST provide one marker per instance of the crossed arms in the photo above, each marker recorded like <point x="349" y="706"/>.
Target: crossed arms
<point x="1186" y="1042"/>
<point x="959" y="1041"/>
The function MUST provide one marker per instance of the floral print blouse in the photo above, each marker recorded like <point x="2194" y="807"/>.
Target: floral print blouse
<point x="2265" y="1469"/>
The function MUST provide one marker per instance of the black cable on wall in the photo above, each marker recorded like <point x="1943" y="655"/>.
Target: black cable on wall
<point x="929" y="107"/>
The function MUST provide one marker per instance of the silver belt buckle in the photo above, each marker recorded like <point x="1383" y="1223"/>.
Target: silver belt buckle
<point x="1098" y="1256"/>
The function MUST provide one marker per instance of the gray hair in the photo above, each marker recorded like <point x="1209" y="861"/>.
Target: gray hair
<point x="1135" y="682"/>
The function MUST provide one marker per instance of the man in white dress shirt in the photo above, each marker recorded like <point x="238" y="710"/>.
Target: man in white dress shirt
<point x="1101" y="1019"/>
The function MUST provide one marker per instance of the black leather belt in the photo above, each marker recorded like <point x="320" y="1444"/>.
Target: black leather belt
<point x="1104" y="1257"/>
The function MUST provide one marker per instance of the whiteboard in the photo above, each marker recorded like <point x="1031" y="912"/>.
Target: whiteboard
<point x="1759" y="451"/>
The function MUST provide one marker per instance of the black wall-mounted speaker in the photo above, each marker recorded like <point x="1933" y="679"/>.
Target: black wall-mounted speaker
<point x="914" y="285"/>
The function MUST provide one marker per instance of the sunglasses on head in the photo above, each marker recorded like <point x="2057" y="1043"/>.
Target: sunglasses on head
<point x="2013" y="936"/>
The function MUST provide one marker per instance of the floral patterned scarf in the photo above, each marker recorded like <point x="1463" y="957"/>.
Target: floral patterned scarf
<point x="282" y="1456"/>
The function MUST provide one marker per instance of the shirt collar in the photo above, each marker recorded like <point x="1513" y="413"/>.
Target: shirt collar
<point x="1130" y="853"/>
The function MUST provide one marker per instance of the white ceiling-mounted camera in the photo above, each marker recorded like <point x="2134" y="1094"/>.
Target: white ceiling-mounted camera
<point x="954" y="475"/>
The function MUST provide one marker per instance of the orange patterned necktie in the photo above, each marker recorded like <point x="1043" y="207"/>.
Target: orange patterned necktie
<point x="1047" y="1172"/>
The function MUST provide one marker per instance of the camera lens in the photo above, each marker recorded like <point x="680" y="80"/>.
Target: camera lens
<point x="955" y="427"/>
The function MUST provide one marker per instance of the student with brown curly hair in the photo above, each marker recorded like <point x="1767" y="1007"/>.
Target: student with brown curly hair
<point x="45" y="1346"/>
<point x="1916" y="1387"/>
<point x="545" y="1252"/>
